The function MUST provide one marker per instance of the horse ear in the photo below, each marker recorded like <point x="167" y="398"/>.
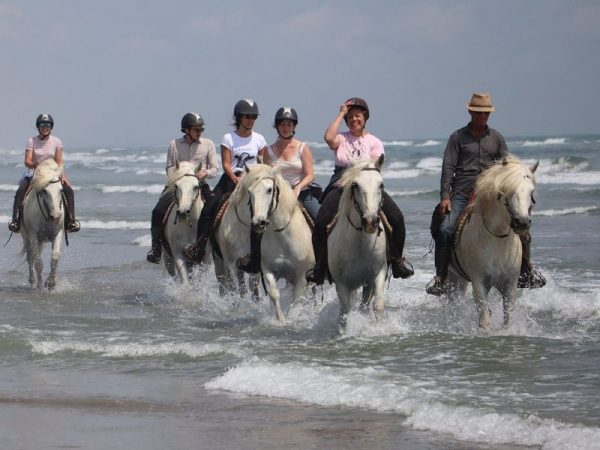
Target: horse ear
<point x="246" y="168"/>
<point x="379" y="162"/>
<point x="534" y="167"/>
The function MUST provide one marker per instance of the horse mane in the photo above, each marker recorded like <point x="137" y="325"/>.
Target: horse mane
<point x="185" y="167"/>
<point x="502" y="178"/>
<point x="46" y="172"/>
<point x="287" y="199"/>
<point x="348" y="176"/>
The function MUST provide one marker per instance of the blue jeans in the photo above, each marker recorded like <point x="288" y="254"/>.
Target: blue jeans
<point x="310" y="202"/>
<point x="444" y="237"/>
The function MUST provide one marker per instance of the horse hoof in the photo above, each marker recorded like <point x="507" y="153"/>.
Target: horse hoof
<point x="50" y="284"/>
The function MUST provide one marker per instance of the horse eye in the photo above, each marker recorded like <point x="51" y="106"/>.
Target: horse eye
<point x="533" y="199"/>
<point x="381" y="186"/>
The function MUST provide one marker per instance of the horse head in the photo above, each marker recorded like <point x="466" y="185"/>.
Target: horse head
<point x="187" y="189"/>
<point x="263" y="192"/>
<point x="363" y="186"/>
<point x="512" y="184"/>
<point x="48" y="189"/>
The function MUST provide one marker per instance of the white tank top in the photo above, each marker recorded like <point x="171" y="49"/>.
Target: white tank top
<point x="291" y="171"/>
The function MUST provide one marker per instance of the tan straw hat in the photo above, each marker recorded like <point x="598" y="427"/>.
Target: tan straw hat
<point x="481" y="103"/>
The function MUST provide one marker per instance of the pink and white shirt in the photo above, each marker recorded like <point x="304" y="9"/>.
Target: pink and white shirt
<point x="354" y="148"/>
<point x="43" y="149"/>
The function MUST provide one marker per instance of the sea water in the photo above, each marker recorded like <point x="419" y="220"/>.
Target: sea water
<point x="121" y="356"/>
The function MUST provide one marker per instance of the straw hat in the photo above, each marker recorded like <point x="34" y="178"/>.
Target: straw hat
<point x="481" y="103"/>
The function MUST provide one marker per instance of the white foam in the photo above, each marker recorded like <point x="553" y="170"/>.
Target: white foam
<point x="152" y="189"/>
<point x="431" y="163"/>
<point x="115" y="224"/>
<point x="8" y="187"/>
<point x="428" y="143"/>
<point x="580" y="178"/>
<point x="397" y="143"/>
<point x="396" y="174"/>
<point x="414" y="193"/>
<point x="131" y="350"/>
<point x="143" y="241"/>
<point x="548" y="141"/>
<point x="566" y="211"/>
<point x="375" y="389"/>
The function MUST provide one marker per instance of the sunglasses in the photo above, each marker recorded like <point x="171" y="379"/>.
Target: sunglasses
<point x="250" y="116"/>
<point x="197" y="129"/>
<point x="44" y="125"/>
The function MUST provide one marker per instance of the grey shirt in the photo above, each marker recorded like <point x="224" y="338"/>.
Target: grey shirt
<point x="466" y="157"/>
<point x="198" y="152"/>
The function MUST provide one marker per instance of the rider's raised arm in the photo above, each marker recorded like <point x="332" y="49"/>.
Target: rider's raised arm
<point x="331" y="134"/>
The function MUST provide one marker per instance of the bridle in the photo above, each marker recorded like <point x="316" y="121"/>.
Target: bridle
<point x="193" y="200"/>
<point x="512" y="213"/>
<point x="357" y="206"/>
<point x="43" y="204"/>
<point x="272" y="206"/>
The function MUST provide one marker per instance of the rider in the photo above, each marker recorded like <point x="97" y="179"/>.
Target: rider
<point x="239" y="148"/>
<point x="354" y="145"/>
<point x="296" y="163"/>
<point x="38" y="149"/>
<point x="190" y="147"/>
<point x="469" y="151"/>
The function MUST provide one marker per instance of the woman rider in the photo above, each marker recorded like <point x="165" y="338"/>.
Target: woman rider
<point x="190" y="147"/>
<point x="296" y="163"/>
<point x="239" y="148"/>
<point x="356" y="144"/>
<point x="38" y="149"/>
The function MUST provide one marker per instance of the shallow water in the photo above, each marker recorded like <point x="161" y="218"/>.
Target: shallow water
<point x="119" y="355"/>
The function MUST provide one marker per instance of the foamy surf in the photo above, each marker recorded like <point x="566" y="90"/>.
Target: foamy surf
<point x="375" y="389"/>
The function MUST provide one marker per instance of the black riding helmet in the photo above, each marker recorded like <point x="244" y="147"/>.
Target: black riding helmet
<point x="245" y="106"/>
<point x="191" y="119"/>
<point x="44" y="118"/>
<point x="286" y="113"/>
<point x="357" y="102"/>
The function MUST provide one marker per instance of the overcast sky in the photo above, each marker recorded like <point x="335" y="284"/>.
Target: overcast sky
<point x="123" y="72"/>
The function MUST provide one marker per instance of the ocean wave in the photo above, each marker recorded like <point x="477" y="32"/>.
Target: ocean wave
<point x="548" y="141"/>
<point x="115" y="224"/>
<point x="566" y="211"/>
<point x="152" y="189"/>
<point x="143" y="241"/>
<point x="586" y="178"/>
<point x="400" y="174"/>
<point x="428" y="143"/>
<point x="131" y="350"/>
<point x="431" y="163"/>
<point x="362" y="388"/>
<point x="397" y="143"/>
<point x="8" y="187"/>
<point x="414" y="193"/>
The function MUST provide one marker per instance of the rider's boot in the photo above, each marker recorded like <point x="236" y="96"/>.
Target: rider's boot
<point x="437" y="286"/>
<point x="155" y="253"/>
<point x="401" y="268"/>
<point x="71" y="225"/>
<point x="15" y="223"/>
<point x="529" y="277"/>
<point x="251" y="263"/>
<point x="195" y="251"/>
<point x="319" y="271"/>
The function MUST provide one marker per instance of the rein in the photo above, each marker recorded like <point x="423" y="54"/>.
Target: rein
<point x="40" y="193"/>
<point x="500" y="236"/>
<point x="272" y="207"/>
<point x="357" y="205"/>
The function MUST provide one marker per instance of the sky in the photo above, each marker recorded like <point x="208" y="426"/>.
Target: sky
<point x="123" y="72"/>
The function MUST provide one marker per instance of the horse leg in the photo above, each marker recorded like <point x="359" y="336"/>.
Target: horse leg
<point x="30" y="262"/>
<point x="181" y="268"/>
<point x="480" y="293"/>
<point x="51" y="280"/>
<point x="273" y="292"/>
<point x="367" y="295"/>
<point x="38" y="263"/>
<point x="170" y="264"/>
<point x="344" y="295"/>
<point x="509" y="294"/>
<point x="241" y="283"/>
<point x="253" y="281"/>
<point x="379" y="303"/>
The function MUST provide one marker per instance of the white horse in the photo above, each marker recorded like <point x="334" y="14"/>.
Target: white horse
<point x="488" y="251"/>
<point x="264" y="201"/>
<point x="357" y="243"/>
<point x="182" y="221"/>
<point x="43" y="221"/>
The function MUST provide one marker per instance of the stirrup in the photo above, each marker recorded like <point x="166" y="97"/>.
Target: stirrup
<point x="436" y="287"/>
<point x="402" y="268"/>
<point x="14" y="225"/>
<point x="531" y="280"/>
<point x="74" y="226"/>
<point x="152" y="258"/>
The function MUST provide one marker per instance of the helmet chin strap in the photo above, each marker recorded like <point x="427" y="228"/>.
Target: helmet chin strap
<point x="286" y="138"/>
<point x="187" y="133"/>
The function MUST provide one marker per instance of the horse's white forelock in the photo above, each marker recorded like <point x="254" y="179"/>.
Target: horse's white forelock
<point x="287" y="199"/>
<point x="348" y="176"/>
<point x="503" y="178"/>
<point x="46" y="172"/>
<point x="185" y="167"/>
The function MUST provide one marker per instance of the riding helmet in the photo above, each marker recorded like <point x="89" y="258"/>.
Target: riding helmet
<point x="357" y="102"/>
<point x="245" y="106"/>
<point x="286" y="113"/>
<point x="191" y="119"/>
<point x="44" y="118"/>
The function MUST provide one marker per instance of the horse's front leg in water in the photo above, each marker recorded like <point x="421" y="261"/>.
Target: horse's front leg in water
<point x="367" y="295"/>
<point x="480" y="296"/>
<point x="51" y="280"/>
<point x="379" y="303"/>
<point x="274" y="295"/>
<point x="253" y="280"/>
<point x="509" y="294"/>
<point x="39" y="264"/>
